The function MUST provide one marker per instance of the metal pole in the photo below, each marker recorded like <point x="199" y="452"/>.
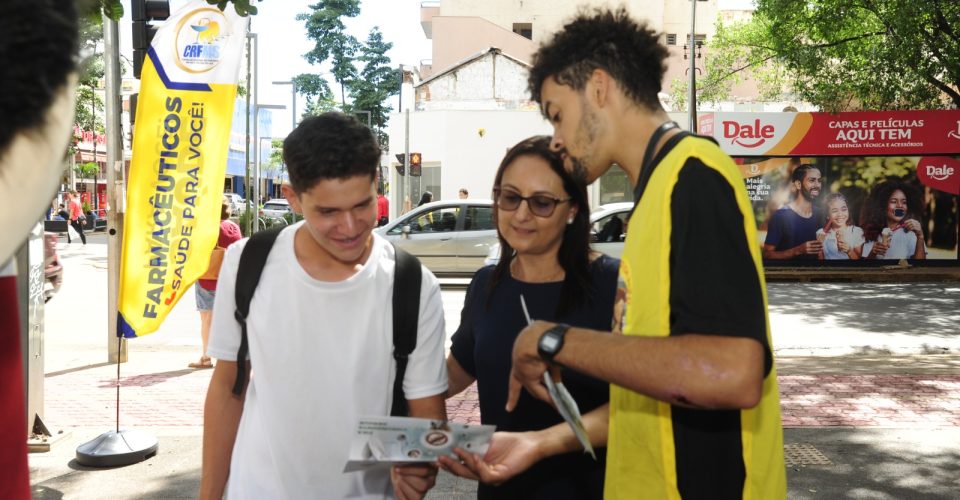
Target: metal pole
<point x="256" y="136"/>
<point x="693" y="67"/>
<point x="293" y="105"/>
<point x="116" y="346"/>
<point x="246" y="155"/>
<point x="406" y="164"/>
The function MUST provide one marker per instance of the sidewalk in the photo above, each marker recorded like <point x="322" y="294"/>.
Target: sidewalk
<point x="869" y="377"/>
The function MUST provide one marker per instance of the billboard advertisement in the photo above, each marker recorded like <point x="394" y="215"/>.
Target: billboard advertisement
<point x="831" y="189"/>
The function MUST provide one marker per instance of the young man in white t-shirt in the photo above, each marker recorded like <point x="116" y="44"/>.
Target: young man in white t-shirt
<point x="320" y="338"/>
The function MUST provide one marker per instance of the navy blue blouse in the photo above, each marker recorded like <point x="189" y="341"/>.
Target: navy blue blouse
<point x="483" y="345"/>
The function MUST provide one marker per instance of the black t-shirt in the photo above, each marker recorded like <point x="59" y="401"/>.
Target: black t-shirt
<point x="483" y="345"/>
<point x="787" y="229"/>
<point x="714" y="290"/>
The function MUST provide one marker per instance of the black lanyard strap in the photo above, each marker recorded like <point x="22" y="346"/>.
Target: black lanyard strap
<point x="646" y="168"/>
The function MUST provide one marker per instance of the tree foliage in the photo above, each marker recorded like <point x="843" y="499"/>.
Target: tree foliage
<point x="331" y="40"/>
<point x="843" y="54"/>
<point x="377" y="82"/>
<point x="363" y="70"/>
<point x="87" y="170"/>
<point x="88" y="106"/>
<point x="242" y="7"/>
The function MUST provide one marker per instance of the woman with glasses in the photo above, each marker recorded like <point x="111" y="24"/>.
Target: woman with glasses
<point x="546" y="271"/>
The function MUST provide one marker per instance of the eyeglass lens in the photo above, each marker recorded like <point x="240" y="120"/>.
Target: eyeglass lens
<point x="539" y="204"/>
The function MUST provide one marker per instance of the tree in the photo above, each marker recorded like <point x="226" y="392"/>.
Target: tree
<point x="844" y="54"/>
<point x="332" y="43"/>
<point x="88" y="170"/>
<point x="377" y="82"/>
<point x="317" y="90"/>
<point x="242" y="7"/>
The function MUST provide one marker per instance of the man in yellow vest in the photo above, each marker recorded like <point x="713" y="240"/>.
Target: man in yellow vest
<point x="694" y="408"/>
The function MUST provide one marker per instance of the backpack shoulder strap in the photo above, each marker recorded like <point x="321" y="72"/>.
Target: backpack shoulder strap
<point x="252" y="260"/>
<point x="406" y="318"/>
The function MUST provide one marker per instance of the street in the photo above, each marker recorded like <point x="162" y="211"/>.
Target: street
<point x="869" y="378"/>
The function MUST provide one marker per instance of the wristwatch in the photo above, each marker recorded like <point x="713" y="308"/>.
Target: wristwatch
<point x="551" y="341"/>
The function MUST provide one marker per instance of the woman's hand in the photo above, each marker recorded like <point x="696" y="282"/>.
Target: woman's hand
<point x="510" y="453"/>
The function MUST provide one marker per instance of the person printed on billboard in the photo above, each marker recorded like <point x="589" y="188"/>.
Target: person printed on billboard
<point x="792" y="230"/>
<point x="890" y="221"/>
<point x="840" y="238"/>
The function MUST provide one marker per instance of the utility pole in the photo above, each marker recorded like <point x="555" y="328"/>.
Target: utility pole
<point x="407" y="202"/>
<point x="693" y="66"/>
<point x="247" y="192"/>
<point x="116" y="346"/>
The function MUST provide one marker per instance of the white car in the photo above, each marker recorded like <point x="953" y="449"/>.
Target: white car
<point x="237" y="204"/>
<point x="608" y="228"/>
<point x="276" y="208"/>
<point x="449" y="237"/>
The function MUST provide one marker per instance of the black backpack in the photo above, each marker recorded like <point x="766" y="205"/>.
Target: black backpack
<point x="406" y="308"/>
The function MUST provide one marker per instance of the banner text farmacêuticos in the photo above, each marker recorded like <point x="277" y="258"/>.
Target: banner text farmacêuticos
<point x="180" y="146"/>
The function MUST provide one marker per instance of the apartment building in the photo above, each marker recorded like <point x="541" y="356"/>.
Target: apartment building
<point x="469" y="103"/>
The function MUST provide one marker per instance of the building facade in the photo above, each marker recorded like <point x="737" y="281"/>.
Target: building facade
<point x="469" y="103"/>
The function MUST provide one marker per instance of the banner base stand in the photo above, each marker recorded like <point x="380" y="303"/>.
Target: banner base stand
<point x="117" y="448"/>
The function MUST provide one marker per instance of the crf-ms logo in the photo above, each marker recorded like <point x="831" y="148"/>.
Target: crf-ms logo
<point x="747" y="135"/>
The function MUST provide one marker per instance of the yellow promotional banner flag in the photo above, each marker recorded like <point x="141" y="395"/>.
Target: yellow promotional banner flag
<point x="180" y="144"/>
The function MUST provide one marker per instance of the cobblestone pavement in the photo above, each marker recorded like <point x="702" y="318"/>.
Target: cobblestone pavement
<point x="87" y="397"/>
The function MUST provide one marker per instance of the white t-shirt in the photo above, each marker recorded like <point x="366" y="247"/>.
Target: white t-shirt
<point x="321" y="355"/>
<point x="903" y="245"/>
<point x="852" y="236"/>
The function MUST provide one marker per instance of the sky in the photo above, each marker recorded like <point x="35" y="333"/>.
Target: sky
<point x="283" y="42"/>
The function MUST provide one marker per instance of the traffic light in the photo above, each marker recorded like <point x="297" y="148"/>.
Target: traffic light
<point x="142" y="13"/>
<point x="132" y="110"/>
<point x="400" y="158"/>
<point x="415" y="164"/>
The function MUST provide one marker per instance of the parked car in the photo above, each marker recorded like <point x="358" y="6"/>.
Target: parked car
<point x="449" y="236"/>
<point x="52" y="268"/>
<point x="608" y="229"/>
<point x="237" y="203"/>
<point x="276" y="208"/>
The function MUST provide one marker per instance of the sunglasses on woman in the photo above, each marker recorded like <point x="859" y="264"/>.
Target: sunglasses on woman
<point x="541" y="205"/>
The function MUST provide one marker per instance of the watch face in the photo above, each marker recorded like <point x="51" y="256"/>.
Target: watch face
<point x="549" y="343"/>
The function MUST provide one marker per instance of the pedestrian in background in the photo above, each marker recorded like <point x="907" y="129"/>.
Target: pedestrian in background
<point x="545" y="261"/>
<point x="463" y="193"/>
<point x="427" y="197"/>
<point x="76" y="215"/>
<point x="206" y="286"/>
<point x="383" y="208"/>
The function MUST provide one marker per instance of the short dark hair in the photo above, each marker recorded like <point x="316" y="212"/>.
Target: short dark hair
<point x="329" y="146"/>
<point x="603" y="39"/>
<point x="574" y="253"/>
<point x="800" y="173"/>
<point x="37" y="50"/>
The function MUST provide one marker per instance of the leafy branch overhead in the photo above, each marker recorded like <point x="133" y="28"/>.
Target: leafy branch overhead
<point x="242" y="7"/>
<point x="843" y="54"/>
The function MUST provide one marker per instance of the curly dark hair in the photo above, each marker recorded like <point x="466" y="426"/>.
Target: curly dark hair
<point x="873" y="216"/>
<point x="603" y="39"/>
<point x="574" y="253"/>
<point x="329" y="146"/>
<point x="37" y="51"/>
